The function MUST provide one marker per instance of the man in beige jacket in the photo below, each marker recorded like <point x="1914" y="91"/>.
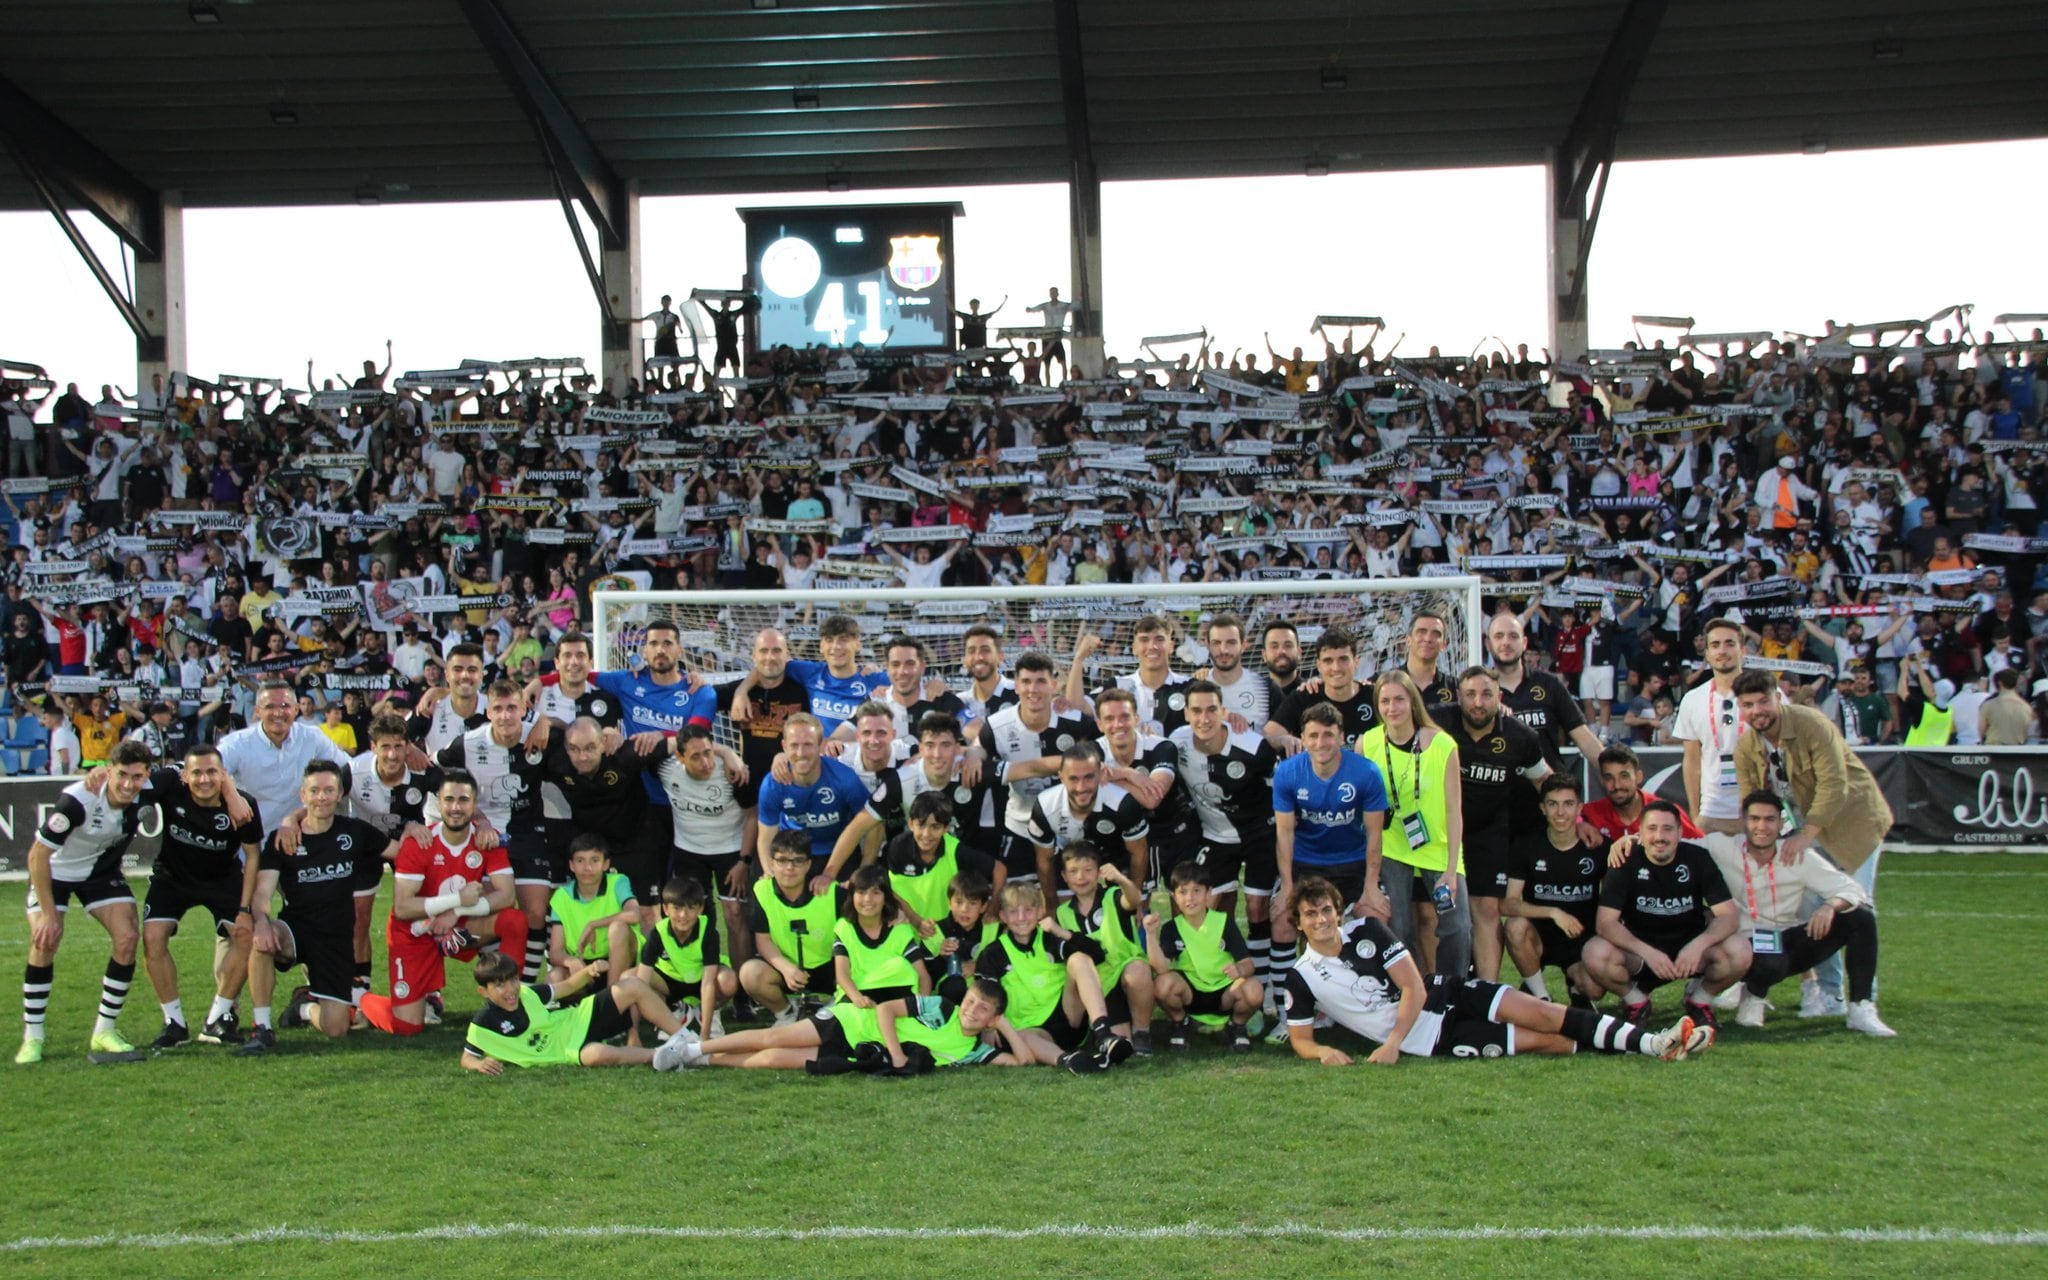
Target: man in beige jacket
<point x="1799" y="754"/>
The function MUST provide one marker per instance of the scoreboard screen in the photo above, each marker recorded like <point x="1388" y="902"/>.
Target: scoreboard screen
<point x="880" y="276"/>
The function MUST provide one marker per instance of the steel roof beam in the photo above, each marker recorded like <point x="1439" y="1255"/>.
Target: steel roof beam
<point x="1589" y="144"/>
<point x="59" y="156"/>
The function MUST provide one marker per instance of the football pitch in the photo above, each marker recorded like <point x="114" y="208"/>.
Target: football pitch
<point x="1801" y="1149"/>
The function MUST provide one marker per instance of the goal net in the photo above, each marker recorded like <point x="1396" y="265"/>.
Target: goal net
<point x="718" y="627"/>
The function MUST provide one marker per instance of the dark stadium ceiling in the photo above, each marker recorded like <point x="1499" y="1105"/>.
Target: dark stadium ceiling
<point x="264" y="102"/>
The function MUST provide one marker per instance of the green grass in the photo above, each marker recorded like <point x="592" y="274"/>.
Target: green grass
<point x="1802" y="1125"/>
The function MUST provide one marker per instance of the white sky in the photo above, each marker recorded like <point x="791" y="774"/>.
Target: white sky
<point x="1453" y="258"/>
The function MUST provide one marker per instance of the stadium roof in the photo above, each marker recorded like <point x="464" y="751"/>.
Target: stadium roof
<point x="262" y="102"/>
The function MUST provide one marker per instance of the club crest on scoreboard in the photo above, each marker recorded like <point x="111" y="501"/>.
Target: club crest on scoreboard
<point x="914" y="263"/>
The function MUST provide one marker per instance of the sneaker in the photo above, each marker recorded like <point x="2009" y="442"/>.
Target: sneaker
<point x="1816" y="1003"/>
<point x="1256" y="1023"/>
<point x="1084" y="1062"/>
<point x="1114" y="1048"/>
<point x="674" y="1053"/>
<point x="1863" y="1017"/>
<point x="1636" y="1014"/>
<point x="1239" y="1038"/>
<point x="1177" y="1035"/>
<point x="1701" y="1014"/>
<point x="174" y="1034"/>
<point x="30" y="1053"/>
<point x="1749" y="1010"/>
<point x="110" y="1042"/>
<point x="261" y="1041"/>
<point x="1141" y="1043"/>
<point x="789" y="1015"/>
<point x="226" y="1029"/>
<point x="294" y="1015"/>
<point x="1699" y="1041"/>
<point x="744" y="1009"/>
<point x="717" y="1027"/>
<point x="431" y="1015"/>
<point x="1277" y="1033"/>
<point x="1730" y="1001"/>
<point x="1670" y="1045"/>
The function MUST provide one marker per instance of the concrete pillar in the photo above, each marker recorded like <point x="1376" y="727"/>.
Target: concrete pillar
<point x="620" y="268"/>
<point x="160" y="299"/>
<point x="1085" y="241"/>
<point x="1568" y="339"/>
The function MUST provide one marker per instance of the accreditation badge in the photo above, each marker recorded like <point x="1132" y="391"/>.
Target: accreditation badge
<point x="1415" y="829"/>
<point x="1766" y="942"/>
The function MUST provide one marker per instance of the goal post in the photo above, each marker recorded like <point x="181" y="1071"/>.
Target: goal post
<point x="718" y="627"/>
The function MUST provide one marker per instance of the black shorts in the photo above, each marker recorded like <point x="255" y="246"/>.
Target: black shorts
<point x="832" y="1042"/>
<point x="1261" y="875"/>
<point x="1468" y="1030"/>
<point x="92" y="892"/>
<point x="1349" y="879"/>
<point x="535" y="860"/>
<point x="1067" y="1035"/>
<point x="606" y="1018"/>
<point x="1642" y="974"/>
<point x="1020" y="857"/>
<point x="170" y="898"/>
<point x="1205" y="1003"/>
<point x="329" y="957"/>
<point x="1557" y="949"/>
<point x="709" y="870"/>
<point x="644" y="863"/>
<point x="1486" y="862"/>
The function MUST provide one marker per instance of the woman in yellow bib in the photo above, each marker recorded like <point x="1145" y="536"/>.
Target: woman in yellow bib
<point x="1425" y="837"/>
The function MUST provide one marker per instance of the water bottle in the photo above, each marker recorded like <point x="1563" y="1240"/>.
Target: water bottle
<point x="1441" y="895"/>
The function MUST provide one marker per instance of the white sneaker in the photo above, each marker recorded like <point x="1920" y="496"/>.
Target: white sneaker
<point x="789" y="1015"/>
<point x="674" y="1053"/>
<point x="1816" y="1003"/>
<point x="1731" y="1000"/>
<point x="1863" y="1017"/>
<point x="717" y="1026"/>
<point x="1749" y="1010"/>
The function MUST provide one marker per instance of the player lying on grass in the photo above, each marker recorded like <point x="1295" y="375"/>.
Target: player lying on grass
<point x="679" y="960"/>
<point x="896" y="1037"/>
<point x="1360" y="975"/>
<point x="1203" y="967"/>
<point x="516" y="1028"/>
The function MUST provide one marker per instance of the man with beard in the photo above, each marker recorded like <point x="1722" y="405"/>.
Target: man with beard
<point x="1621" y="813"/>
<point x="444" y="715"/>
<point x="1665" y="916"/>
<point x="1280" y="653"/>
<point x="657" y="700"/>
<point x="1497" y="755"/>
<point x="990" y="690"/>
<point x="1537" y="698"/>
<point x="1247" y="696"/>
<point x="1337" y="670"/>
<point x="1711" y="728"/>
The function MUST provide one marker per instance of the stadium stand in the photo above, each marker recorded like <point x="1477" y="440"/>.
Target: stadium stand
<point x="1857" y="499"/>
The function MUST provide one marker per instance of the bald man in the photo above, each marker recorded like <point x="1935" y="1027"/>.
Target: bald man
<point x="1537" y="698"/>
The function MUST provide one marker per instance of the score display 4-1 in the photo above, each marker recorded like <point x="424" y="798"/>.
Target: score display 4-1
<point x="878" y="277"/>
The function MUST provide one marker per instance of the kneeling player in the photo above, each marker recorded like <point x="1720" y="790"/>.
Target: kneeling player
<point x="1055" y="997"/>
<point x="1203" y="967"/>
<point x="515" y="1027"/>
<point x="679" y="960"/>
<point x="1105" y="913"/>
<point x="971" y="1033"/>
<point x="792" y="932"/>
<point x="1665" y="916"/>
<point x="1348" y="967"/>
<point x="1553" y="891"/>
<point x="594" y="916"/>
<point x="449" y="897"/>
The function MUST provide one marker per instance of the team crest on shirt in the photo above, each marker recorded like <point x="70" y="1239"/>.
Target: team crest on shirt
<point x="1684" y="875"/>
<point x="961" y="795"/>
<point x="1235" y="769"/>
<point x="1064" y="741"/>
<point x="1499" y="746"/>
<point x="344" y="842"/>
<point x="58" y="823"/>
<point x="221" y="822"/>
<point x="827" y="796"/>
<point x="1105" y="827"/>
<point x="472" y="859"/>
<point x="533" y="755"/>
<point x="413" y="796"/>
<point x="1346" y="793"/>
<point x="401" y="989"/>
<point x="1364" y="949"/>
<point x="1585" y="866"/>
<point x="1177" y="702"/>
<point x="1536" y="694"/>
<point x="598" y="707"/>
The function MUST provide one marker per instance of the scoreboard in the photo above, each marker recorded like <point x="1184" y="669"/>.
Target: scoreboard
<point x="878" y="276"/>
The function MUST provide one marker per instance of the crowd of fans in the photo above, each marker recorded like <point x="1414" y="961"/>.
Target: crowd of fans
<point x="1868" y="512"/>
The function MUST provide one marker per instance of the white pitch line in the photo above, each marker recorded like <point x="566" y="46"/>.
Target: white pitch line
<point x="1967" y="915"/>
<point x="1184" y="1231"/>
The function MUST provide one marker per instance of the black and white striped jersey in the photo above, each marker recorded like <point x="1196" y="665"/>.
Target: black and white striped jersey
<point x="1232" y="788"/>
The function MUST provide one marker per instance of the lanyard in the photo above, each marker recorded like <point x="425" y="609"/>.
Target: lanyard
<point x="1749" y="885"/>
<point x="1415" y="756"/>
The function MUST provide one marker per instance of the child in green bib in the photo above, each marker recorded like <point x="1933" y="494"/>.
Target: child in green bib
<point x="680" y="959"/>
<point x="516" y="1027"/>
<point x="876" y="955"/>
<point x="1203" y="967"/>
<point x="593" y="917"/>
